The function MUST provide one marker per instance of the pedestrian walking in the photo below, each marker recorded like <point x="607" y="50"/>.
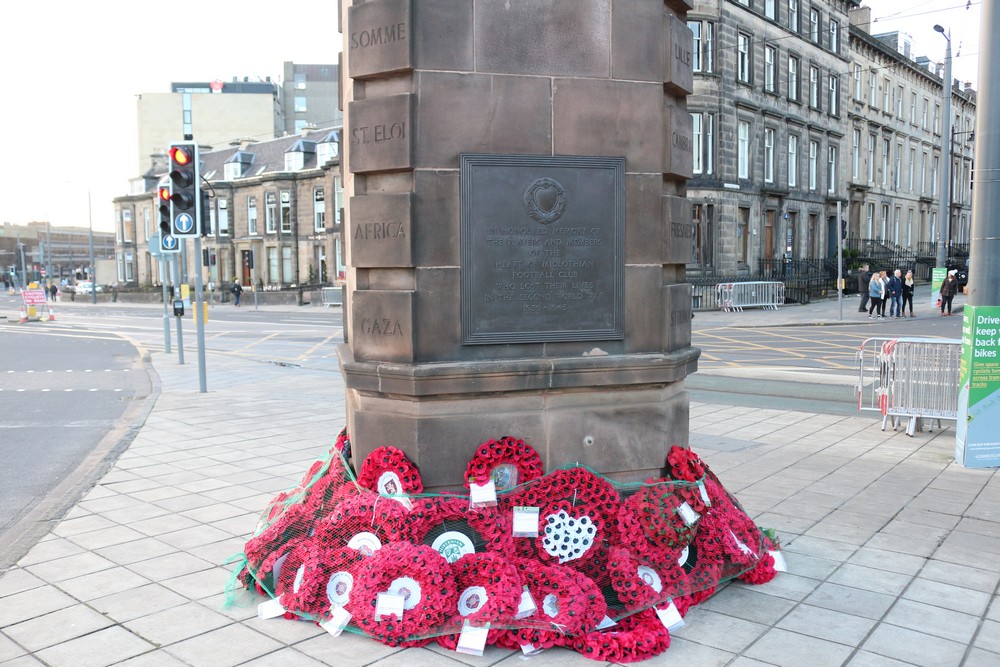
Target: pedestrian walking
<point x="53" y="290"/>
<point x="864" y="277"/>
<point x="948" y="290"/>
<point x="895" y="290"/>
<point x="883" y="276"/>
<point x="236" y="289"/>
<point x="876" y="290"/>
<point x="908" y="293"/>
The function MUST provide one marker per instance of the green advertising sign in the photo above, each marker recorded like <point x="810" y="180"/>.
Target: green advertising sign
<point x="938" y="274"/>
<point x="977" y="436"/>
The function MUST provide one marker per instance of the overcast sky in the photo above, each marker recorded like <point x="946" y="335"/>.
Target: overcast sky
<point x="71" y="72"/>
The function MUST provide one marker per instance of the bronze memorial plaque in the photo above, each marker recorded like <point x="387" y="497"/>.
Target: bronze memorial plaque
<point x="543" y="248"/>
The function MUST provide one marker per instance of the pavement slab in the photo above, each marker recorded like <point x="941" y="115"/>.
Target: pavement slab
<point x="893" y="550"/>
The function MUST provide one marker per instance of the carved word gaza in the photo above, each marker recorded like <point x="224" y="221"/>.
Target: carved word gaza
<point x="375" y="326"/>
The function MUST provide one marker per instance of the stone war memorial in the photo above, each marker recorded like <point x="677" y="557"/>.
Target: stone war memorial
<point x="514" y="470"/>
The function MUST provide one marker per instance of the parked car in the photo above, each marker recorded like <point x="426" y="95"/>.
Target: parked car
<point x="86" y="287"/>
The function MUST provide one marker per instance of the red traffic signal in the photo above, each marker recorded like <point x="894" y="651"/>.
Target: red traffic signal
<point x="164" y="194"/>
<point x="180" y="155"/>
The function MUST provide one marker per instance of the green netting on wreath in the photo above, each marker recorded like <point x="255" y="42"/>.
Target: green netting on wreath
<point x="568" y="558"/>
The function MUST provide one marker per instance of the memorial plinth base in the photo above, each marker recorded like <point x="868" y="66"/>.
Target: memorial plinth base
<point x="617" y="414"/>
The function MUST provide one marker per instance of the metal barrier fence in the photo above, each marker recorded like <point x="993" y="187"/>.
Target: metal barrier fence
<point x="753" y="294"/>
<point x="333" y="296"/>
<point x="916" y="378"/>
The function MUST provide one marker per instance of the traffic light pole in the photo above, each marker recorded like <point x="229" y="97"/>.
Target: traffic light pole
<point x="166" y="317"/>
<point x="179" y="275"/>
<point x="199" y="317"/>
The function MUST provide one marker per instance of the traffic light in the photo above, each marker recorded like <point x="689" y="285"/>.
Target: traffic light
<point x="185" y="190"/>
<point x="168" y="243"/>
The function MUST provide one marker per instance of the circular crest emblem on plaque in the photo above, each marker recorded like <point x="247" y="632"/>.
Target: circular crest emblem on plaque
<point x="545" y="200"/>
<point x="453" y="545"/>
<point x="338" y="588"/>
<point x="472" y="600"/>
<point x="408" y="589"/>
<point x="504" y="476"/>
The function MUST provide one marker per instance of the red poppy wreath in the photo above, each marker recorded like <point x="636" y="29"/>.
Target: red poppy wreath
<point x="637" y="637"/>
<point x="489" y="591"/>
<point x="508" y="461"/>
<point x="314" y="578"/>
<point x="388" y="472"/>
<point x="418" y="574"/>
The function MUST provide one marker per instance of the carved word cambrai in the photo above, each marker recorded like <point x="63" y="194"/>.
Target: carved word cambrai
<point x="547" y="268"/>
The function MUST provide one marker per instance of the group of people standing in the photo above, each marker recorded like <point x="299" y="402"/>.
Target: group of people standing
<point x="879" y="289"/>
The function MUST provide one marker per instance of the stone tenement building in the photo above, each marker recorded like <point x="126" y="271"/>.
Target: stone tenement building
<point x="786" y="124"/>
<point x="276" y="201"/>
<point x="895" y="129"/>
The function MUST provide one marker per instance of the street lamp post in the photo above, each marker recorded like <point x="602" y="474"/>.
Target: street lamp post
<point x="944" y="217"/>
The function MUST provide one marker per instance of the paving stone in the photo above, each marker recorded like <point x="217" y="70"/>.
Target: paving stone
<point x="100" y="584"/>
<point x="813" y="567"/>
<point x="50" y="550"/>
<point x="850" y="600"/>
<point x="137" y="602"/>
<point x="961" y="575"/>
<point x="785" y="585"/>
<point x="16" y="580"/>
<point x="827" y="624"/>
<point x="60" y="569"/>
<point x="176" y="623"/>
<point x="719" y="631"/>
<point x="104" y="647"/>
<point x="947" y="596"/>
<point x="869" y="659"/>
<point x="748" y="604"/>
<point x="229" y="645"/>
<point x="105" y="538"/>
<point x="936" y="621"/>
<point x="32" y="603"/>
<point x="8" y="649"/>
<point x="171" y="565"/>
<point x="133" y="552"/>
<point x="681" y="652"/>
<point x="988" y="638"/>
<point x="57" y="627"/>
<point x="785" y="648"/>
<point x="82" y="525"/>
<point x="887" y="560"/>
<point x="914" y="647"/>
<point x="347" y="650"/>
<point x="870" y="579"/>
<point x="979" y="658"/>
<point x="284" y="658"/>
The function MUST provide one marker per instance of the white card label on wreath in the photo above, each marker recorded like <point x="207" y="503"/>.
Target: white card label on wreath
<point x="472" y="640"/>
<point x="270" y="609"/>
<point x="336" y="624"/>
<point x="367" y="543"/>
<point x="483" y="495"/>
<point x="527" y="606"/>
<point x="606" y="623"/>
<point x="670" y="616"/>
<point x="390" y="486"/>
<point x="453" y="545"/>
<point x="688" y="514"/>
<point x="704" y="494"/>
<point x="388" y="604"/>
<point x="525" y="522"/>
<point x="779" y="560"/>
<point x="530" y="649"/>
<point x="472" y="600"/>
